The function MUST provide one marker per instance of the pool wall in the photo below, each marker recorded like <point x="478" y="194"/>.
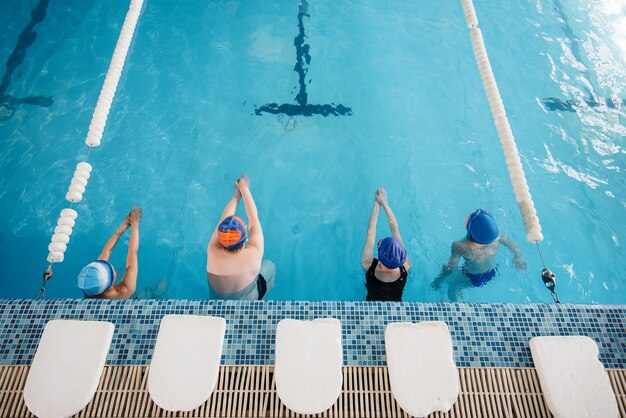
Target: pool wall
<point x="484" y="335"/>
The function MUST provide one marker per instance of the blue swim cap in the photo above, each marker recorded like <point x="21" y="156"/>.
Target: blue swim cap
<point x="391" y="253"/>
<point x="232" y="233"/>
<point x="481" y="227"/>
<point x="95" y="278"/>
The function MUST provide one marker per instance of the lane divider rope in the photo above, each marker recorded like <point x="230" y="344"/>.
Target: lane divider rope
<point x="67" y="219"/>
<point x="511" y="154"/>
<point x="507" y="140"/>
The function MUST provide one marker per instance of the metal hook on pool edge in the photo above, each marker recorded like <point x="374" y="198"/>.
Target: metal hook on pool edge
<point x="549" y="279"/>
<point x="47" y="275"/>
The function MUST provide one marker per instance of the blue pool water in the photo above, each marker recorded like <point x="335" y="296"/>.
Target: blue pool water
<point x="406" y="110"/>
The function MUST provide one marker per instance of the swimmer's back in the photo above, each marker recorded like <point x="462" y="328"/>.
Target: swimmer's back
<point x="232" y="272"/>
<point x="478" y="259"/>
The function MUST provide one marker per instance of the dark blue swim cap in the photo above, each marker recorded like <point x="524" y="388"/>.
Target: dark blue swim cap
<point x="481" y="227"/>
<point x="391" y="253"/>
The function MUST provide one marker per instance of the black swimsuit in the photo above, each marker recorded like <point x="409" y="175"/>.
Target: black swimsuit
<point x="261" y="286"/>
<point x="387" y="291"/>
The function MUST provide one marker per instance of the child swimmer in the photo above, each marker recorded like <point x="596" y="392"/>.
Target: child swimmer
<point x="478" y="249"/>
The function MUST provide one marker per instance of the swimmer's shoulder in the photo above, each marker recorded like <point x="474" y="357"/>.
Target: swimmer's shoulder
<point x="460" y="246"/>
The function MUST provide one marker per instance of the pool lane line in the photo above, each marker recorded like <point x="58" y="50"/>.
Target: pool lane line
<point x="505" y="134"/>
<point x="25" y="39"/>
<point x="78" y="184"/>
<point x="303" y="60"/>
<point x="507" y="140"/>
<point x="570" y="105"/>
<point x="575" y="44"/>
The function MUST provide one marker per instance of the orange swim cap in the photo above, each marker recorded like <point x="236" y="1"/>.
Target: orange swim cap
<point x="232" y="233"/>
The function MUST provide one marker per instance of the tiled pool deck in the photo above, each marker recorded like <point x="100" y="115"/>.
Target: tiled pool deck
<point x="484" y="335"/>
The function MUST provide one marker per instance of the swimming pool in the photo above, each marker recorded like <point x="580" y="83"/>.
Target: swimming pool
<point x="188" y="118"/>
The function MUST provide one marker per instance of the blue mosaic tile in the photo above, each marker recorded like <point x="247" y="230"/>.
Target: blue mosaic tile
<point x="484" y="335"/>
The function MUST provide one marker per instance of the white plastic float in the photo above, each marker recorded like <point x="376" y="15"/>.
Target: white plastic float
<point x="308" y="364"/>
<point x="507" y="140"/>
<point x="573" y="380"/>
<point x="422" y="373"/>
<point x="185" y="364"/>
<point x="67" y="366"/>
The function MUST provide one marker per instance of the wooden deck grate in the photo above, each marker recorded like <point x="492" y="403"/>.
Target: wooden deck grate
<point x="249" y="391"/>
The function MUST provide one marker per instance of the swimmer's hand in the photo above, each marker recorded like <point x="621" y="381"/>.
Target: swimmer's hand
<point x="125" y="223"/>
<point x="446" y="270"/>
<point x="519" y="263"/>
<point x="134" y="217"/>
<point x="436" y="284"/>
<point x="236" y="192"/>
<point x="243" y="182"/>
<point x="381" y="195"/>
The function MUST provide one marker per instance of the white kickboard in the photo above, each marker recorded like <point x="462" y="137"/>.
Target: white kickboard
<point x="573" y="380"/>
<point x="186" y="360"/>
<point x="309" y="357"/>
<point x="422" y="373"/>
<point x="67" y="366"/>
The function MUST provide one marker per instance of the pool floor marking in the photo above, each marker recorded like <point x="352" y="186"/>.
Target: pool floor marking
<point x="555" y="104"/>
<point x="24" y="41"/>
<point x="303" y="60"/>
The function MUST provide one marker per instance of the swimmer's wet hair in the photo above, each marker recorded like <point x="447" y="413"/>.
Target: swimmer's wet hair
<point x="236" y="250"/>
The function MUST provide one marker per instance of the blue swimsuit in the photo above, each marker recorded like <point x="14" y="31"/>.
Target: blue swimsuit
<point x="480" y="279"/>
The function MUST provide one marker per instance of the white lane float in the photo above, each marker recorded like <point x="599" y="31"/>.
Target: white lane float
<point x="470" y="13"/>
<point x="61" y="237"/>
<point x="79" y="182"/>
<point x="111" y="81"/>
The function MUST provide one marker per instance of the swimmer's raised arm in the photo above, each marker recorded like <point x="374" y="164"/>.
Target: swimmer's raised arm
<point x="229" y="210"/>
<point x="112" y="241"/>
<point x="381" y="198"/>
<point x="231" y="206"/>
<point x="366" y="259"/>
<point x="254" y="224"/>
<point x="128" y="285"/>
<point x="518" y="261"/>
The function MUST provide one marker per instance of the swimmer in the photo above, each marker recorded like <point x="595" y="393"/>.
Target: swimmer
<point x="235" y="269"/>
<point x="385" y="276"/>
<point x="478" y="249"/>
<point x="97" y="279"/>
